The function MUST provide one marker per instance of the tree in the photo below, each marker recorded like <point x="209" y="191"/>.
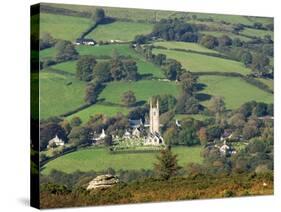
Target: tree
<point x="188" y="83"/>
<point x="260" y="64"/>
<point x="160" y="59"/>
<point x="140" y="39"/>
<point x="128" y="98"/>
<point x="224" y="41"/>
<point x="246" y="58"/>
<point x="202" y="135"/>
<point x="188" y="136"/>
<point x="130" y="70"/>
<point x="65" y="51"/>
<point x="209" y="41"/>
<point x="172" y="70"/>
<point x="46" y="41"/>
<point x="79" y="135"/>
<point x="261" y="109"/>
<point x="167" y="164"/>
<point x="92" y="91"/>
<point x="98" y="15"/>
<point x="75" y="121"/>
<point x="101" y="72"/>
<point x="84" y="67"/>
<point x="216" y="105"/>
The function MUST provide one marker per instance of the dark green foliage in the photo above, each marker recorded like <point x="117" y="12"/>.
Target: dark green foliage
<point x="123" y="69"/>
<point x="214" y="132"/>
<point x="75" y="121"/>
<point x="84" y="67"/>
<point x="92" y="91"/>
<point x="166" y="102"/>
<point x="188" y="136"/>
<point x="108" y="140"/>
<point x="172" y="70"/>
<point x="80" y="136"/>
<point x="102" y="72"/>
<point x="167" y="165"/>
<point x="246" y="58"/>
<point x="209" y="41"/>
<point x="46" y="41"/>
<point x="175" y="29"/>
<point x="129" y="98"/>
<point x="187" y="105"/>
<point x="98" y="15"/>
<point x="260" y="64"/>
<point x="65" y="51"/>
<point x="224" y="41"/>
<point x="140" y="39"/>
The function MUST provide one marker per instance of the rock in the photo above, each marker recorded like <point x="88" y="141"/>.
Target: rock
<point x="103" y="181"/>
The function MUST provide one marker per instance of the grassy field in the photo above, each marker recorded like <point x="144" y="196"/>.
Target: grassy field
<point x="256" y="32"/>
<point x="184" y="45"/>
<point x="143" y="90"/>
<point x="63" y="27"/>
<point x="229" y="34"/>
<point x="69" y="66"/>
<point x="234" y="90"/>
<point x="99" y="109"/>
<point x="124" y="31"/>
<point x="101" y="159"/>
<point x="56" y="97"/>
<point x="146" y="68"/>
<point x="202" y="63"/>
<point x="268" y="82"/>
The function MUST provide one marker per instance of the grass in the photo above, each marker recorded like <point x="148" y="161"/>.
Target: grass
<point x="235" y="91"/>
<point x="101" y="159"/>
<point x="256" y="32"/>
<point x="63" y="27"/>
<point x="229" y="34"/>
<point x="268" y="82"/>
<point x="184" y="45"/>
<point x="202" y="63"/>
<point x="143" y="90"/>
<point x="56" y="97"/>
<point x="146" y="68"/>
<point x="69" y="66"/>
<point x="99" y="109"/>
<point x="124" y="31"/>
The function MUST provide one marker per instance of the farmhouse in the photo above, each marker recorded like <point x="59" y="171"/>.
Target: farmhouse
<point x="56" y="141"/>
<point x="85" y="41"/>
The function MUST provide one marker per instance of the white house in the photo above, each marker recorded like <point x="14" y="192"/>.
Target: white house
<point x="55" y="141"/>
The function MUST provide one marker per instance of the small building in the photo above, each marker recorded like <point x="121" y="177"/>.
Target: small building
<point x="127" y="135"/>
<point x="56" y="141"/>
<point x="100" y="138"/>
<point x="226" y="149"/>
<point x="85" y="41"/>
<point x="136" y="133"/>
<point x="154" y="139"/>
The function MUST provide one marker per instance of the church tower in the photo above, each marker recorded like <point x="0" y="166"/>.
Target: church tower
<point x="154" y="118"/>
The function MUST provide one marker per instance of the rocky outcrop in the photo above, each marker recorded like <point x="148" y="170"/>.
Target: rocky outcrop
<point x="103" y="181"/>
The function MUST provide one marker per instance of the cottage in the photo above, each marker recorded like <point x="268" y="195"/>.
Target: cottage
<point x="85" y="41"/>
<point x="56" y="141"/>
<point x="136" y="133"/>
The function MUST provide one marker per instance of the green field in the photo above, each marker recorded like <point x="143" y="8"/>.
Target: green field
<point x="229" y="34"/>
<point x="56" y="97"/>
<point x="69" y="66"/>
<point x="256" y="32"/>
<point x="143" y="90"/>
<point x="99" y="109"/>
<point x="183" y="45"/>
<point x="234" y="90"/>
<point x="100" y="159"/>
<point x="202" y="63"/>
<point x="63" y="27"/>
<point x="124" y="31"/>
<point x="268" y="82"/>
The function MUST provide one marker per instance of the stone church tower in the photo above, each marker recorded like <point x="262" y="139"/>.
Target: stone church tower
<point x="154" y="118"/>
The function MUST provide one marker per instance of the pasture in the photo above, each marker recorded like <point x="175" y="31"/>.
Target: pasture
<point x="124" y="31"/>
<point x="256" y="32"/>
<point x="106" y="110"/>
<point x="143" y="90"/>
<point x="63" y="27"/>
<point x="184" y="46"/>
<point x="203" y="63"/>
<point x="234" y="90"/>
<point x="101" y="159"/>
<point x="59" y="94"/>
